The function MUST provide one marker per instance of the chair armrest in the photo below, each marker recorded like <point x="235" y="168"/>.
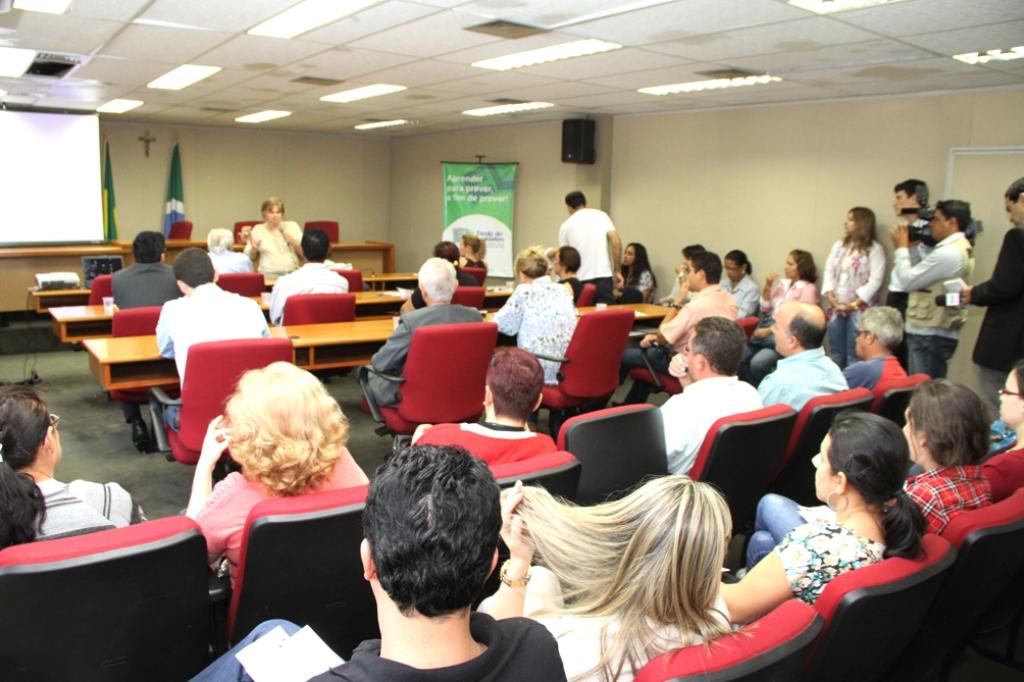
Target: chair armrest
<point x="161" y="397"/>
<point x="552" y="358"/>
<point x="650" y="368"/>
<point x="158" y="400"/>
<point x="363" y="377"/>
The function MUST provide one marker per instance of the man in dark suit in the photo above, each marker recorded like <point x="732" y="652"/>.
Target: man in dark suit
<point x="148" y="282"/>
<point x="1001" y="339"/>
<point x="437" y="283"/>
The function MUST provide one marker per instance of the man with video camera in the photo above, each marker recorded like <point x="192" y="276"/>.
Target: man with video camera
<point x="942" y="253"/>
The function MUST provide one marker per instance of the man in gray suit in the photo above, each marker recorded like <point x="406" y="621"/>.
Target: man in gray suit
<point x="149" y="282"/>
<point x="437" y="282"/>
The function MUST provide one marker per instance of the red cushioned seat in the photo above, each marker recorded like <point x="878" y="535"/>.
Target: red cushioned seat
<point x="134" y="322"/>
<point x="319" y="308"/>
<point x="893" y="396"/>
<point x="479" y="274"/>
<point x="330" y="227"/>
<point x="557" y="472"/>
<point x="471" y="297"/>
<point x="248" y="284"/>
<point x="181" y="230"/>
<point x="354" y="277"/>
<point x="101" y="288"/>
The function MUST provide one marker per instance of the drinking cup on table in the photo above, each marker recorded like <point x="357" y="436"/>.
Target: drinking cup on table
<point x="108" y="304"/>
<point x="601" y="306"/>
<point x="266" y="298"/>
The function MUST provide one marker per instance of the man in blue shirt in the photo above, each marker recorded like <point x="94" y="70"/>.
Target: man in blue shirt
<point x="804" y="372"/>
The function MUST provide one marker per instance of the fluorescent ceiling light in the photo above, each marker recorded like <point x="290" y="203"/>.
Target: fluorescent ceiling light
<point x="507" y="108"/>
<point x="375" y="90"/>
<point x="579" y="48"/>
<point x="833" y="6"/>
<point x="14" y="61"/>
<point x="306" y="16"/>
<point x="182" y="77"/>
<point x="381" y="124"/>
<point x="998" y="55"/>
<point x="119" y="106"/>
<point x="715" y="84"/>
<point x="261" y="116"/>
<point x="47" y="6"/>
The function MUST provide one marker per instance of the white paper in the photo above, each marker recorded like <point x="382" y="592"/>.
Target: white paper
<point x="276" y="657"/>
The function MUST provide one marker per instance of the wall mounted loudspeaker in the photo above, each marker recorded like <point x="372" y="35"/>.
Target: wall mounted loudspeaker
<point x="578" y="140"/>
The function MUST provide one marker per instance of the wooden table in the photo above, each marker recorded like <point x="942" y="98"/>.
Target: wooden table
<point x="75" y="323"/>
<point x="388" y="280"/>
<point x="42" y="301"/>
<point x="134" y="362"/>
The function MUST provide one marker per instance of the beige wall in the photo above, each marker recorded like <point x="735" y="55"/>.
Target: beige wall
<point x="542" y="182"/>
<point x="227" y="173"/>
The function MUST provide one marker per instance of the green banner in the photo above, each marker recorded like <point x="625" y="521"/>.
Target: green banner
<point x="479" y="198"/>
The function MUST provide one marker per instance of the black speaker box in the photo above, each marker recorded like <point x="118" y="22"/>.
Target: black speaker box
<point x="578" y="140"/>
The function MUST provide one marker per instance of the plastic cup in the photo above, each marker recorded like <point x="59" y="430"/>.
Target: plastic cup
<point x="601" y="306"/>
<point x="265" y="296"/>
<point x="108" y="304"/>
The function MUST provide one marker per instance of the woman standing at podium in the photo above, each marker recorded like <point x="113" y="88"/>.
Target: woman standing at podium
<point x="276" y="241"/>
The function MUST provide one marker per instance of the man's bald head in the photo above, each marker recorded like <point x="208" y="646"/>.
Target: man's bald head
<point x="798" y="327"/>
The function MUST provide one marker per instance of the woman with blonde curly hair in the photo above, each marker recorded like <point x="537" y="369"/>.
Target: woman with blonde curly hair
<point x="288" y="435"/>
<point x="621" y="582"/>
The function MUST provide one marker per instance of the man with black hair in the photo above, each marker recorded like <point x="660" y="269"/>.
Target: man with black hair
<point x="314" y="277"/>
<point x="430" y="529"/>
<point x="933" y="329"/>
<point x="711" y="361"/>
<point x="591" y="232"/>
<point x="1001" y="339"/>
<point x="149" y="281"/>
<point x="908" y="196"/>
<point x="805" y="371"/>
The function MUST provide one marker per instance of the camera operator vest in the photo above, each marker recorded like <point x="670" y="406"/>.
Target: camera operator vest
<point x="923" y="311"/>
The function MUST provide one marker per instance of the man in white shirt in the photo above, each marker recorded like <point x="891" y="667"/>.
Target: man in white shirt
<point x="219" y="243"/>
<point x="591" y="232"/>
<point x="946" y="254"/>
<point x="710" y="362"/>
<point x="205" y="313"/>
<point x="315" y="277"/>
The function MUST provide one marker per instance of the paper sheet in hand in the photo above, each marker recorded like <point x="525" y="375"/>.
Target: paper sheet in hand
<point x="276" y="657"/>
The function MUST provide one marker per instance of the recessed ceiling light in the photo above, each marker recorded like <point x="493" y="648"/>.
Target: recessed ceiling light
<point x="14" y="61"/>
<point x="182" y="77"/>
<point x="381" y="124"/>
<point x="261" y="116"/>
<point x="998" y="55"/>
<point x="306" y="16"/>
<point x="47" y="6"/>
<point x="715" y="84"/>
<point x="119" y="106"/>
<point x="833" y="6"/>
<point x="366" y="92"/>
<point x="507" y="108"/>
<point x="579" y="48"/>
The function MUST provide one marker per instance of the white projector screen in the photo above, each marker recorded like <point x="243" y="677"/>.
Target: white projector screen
<point x="50" y="175"/>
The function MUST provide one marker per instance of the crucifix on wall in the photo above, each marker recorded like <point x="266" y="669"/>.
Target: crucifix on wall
<point x="146" y="139"/>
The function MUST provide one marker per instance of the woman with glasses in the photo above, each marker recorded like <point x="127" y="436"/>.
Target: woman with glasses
<point x="34" y="505"/>
<point x="1005" y="472"/>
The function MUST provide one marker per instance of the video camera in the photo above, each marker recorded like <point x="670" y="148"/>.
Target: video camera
<point x="921" y="229"/>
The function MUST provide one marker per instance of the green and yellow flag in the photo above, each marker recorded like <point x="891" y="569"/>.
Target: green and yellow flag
<point x="109" y="202"/>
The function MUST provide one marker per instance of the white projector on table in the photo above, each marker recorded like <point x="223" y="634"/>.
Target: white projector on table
<point x="57" y="280"/>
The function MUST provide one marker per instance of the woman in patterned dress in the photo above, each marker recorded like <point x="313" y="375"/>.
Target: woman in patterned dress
<point x="859" y="475"/>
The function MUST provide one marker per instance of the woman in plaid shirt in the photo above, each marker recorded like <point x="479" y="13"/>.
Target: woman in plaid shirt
<point x="947" y="431"/>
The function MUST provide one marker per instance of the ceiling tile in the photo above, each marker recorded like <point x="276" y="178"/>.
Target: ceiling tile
<point x="59" y="33"/>
<point x="977" y="39"/>
<point x="259" y="53"/>
<point x="495" y="81"/>
<point x="914" y="17"/>
<point x="223" y="15"/>
<point x="425" y="72"/>
<point x="118" y="10"/>
<point x="134" y="72"/>
<point x="176" y="46"/>
<point x="882" y="51"/>
<point x="345" y="62"/>
<point x="607" y="63"/>
<point x="371" y="20"/>
<point x="428" y="37"/>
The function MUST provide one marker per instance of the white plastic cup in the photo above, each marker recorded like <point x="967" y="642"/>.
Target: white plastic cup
<point x="601" y="306"/>
<point x="266" y="298"/>
<point x="108" y="304"/>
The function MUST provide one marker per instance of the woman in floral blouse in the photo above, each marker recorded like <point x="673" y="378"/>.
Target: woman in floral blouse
<point x="860" y="473"/>
<point x="853" y="276"/>
<point x="540" y="313"/>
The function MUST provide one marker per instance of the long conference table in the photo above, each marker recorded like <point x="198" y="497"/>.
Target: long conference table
<point x="135" y="362"/>
<point x="75" y="323"/>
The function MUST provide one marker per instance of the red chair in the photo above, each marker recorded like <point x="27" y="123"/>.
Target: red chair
<point x="479" y="274"/>
<point x="241" y="225"/>
<point x="242" y="283"/>
<point x="872" y="613"/>
<point x="101" y="287"/>
<point x="587" y="295"/>
<point x="181" y="230"/>
<point x="741" y="454"/>
<point x="590" y="368"/>
<point x="795" y="477"/>
<point x="660" y="382"/>
<point x="319" y="308"/>
<point x="328" y="226"/>
<point x="354" y="277"/>
<point x="124" y="604"/>
<point x="774" y="647"/>
<point x="300" y="561"/>
<point x="471" y="297"/>
<point x="990" y="554"/>
<point x="214" y="368"/>
<point x="134" y="322"/>
<point x="892" y="397"/>
<point x="442" y="381"/>
<point x="749" y="324"/>
<point x="618" y="447"/>
<point x="557" y="472"/>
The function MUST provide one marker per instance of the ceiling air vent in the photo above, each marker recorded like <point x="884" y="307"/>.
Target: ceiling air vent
<point x="506" y="100"/>
<point x="55" y="64"/>
<point x="729" y="72"/>
<point x="316" y="80"/>
<point x="506" y="29"/>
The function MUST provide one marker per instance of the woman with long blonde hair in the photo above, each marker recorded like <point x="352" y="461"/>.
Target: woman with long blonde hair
<point x="621" y="582"/>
